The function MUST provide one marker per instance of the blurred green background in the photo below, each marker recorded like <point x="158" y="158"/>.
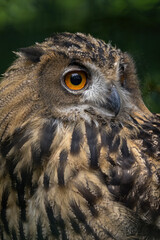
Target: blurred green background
<point x="131" y="25"/>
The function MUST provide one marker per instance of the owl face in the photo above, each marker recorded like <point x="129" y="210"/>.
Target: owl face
<point x="80" y="89"/>
<point x="79" y="76"/>
<point x="74" y="76"/>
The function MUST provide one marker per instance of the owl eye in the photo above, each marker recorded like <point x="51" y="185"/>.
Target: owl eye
<point x="122" y="75"/>
<point x="122" y="80"/>
<point x="75" y="80"/>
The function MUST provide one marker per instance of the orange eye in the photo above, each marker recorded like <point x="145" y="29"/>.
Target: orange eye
<point x="122" y="80"/>
<point x="122" y="75"/>
<point x="75" y="80"/>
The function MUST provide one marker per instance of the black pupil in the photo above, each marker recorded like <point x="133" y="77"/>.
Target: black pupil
<point x="76" y="78"/>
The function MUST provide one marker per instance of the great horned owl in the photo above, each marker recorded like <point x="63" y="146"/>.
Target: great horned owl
<point x="79" y="151"/>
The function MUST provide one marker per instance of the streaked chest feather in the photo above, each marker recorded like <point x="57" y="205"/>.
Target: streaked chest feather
<point x="67" y="181"/>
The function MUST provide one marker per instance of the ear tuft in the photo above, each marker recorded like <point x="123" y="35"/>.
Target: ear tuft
<point x="31" y="53"/>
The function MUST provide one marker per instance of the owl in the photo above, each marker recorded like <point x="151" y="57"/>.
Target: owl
<point x="79" y="150"/>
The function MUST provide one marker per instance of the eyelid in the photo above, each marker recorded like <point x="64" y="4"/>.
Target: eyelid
<point x="76" y="66"/>
<point x="71" y="69"/>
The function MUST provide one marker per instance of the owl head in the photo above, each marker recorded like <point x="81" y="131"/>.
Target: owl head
<point x="71" y="77"/>
<point x="77" y="76"/>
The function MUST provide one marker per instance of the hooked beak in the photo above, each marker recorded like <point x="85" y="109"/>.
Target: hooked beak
<point x="113" y="101"/>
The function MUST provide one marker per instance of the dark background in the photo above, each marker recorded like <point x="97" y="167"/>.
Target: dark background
<point x="131" y="25"/>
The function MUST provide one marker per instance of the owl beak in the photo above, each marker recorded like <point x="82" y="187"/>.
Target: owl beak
<point x="114" y="101"/>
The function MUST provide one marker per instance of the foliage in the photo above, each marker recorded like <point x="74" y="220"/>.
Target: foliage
<point x="133" y="25"/>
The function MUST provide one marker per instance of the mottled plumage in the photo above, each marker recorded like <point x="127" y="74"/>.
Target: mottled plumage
<point x="77" y="164"/>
